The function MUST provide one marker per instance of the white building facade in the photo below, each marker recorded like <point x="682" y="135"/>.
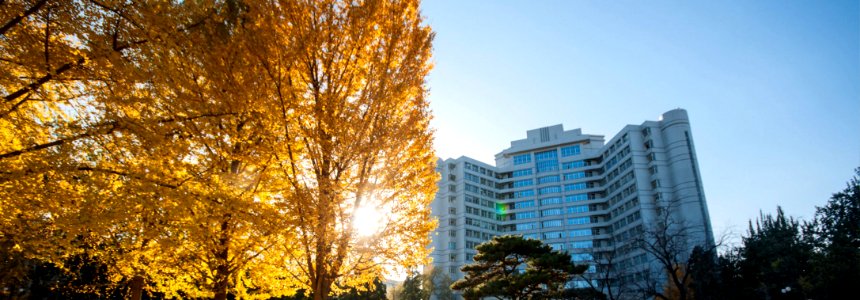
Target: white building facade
<point x="577" y="193"/>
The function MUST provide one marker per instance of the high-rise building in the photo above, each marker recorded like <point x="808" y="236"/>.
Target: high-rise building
<point x="577" y="193"/>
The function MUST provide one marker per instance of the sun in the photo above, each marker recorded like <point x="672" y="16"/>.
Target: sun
<point x="368" y="220"/>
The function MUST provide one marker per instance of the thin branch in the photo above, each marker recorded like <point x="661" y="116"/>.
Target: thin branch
<point x="18" y="18"/>
<point x="38" y="83"/>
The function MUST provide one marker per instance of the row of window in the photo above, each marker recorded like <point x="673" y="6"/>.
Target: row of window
<point x="480" y="224"/>
<point x="629" y="233"/>
<point x="534" y="225"/>
<point x="522" y="159"/>
<point x="546" y="166"/>
<point x="549" y="190"/>
<point x="630" y="204"/>
<point x="480" y="212"/>
<point x="577" y="209"/>
<point x="575" y="186"/>
<point x="621" y="182"/>
<point x="548" y="179"/>
<point x="624" y="221"/>
<point x="482" y="202"/>
<point x="624" y="193"/>
<point x="547" y="155"/>
<point x="621" y="168"/>
<point x="616" y="144"/>
<point x="560" y="234"/>
<point x="615" y="159"/>
<point x="550" y="201"/>
<point x="570" y="150"/>
<point x="573" y="164"/>
<point x="480" y="191"/>
<point x="523" y="172"/>
<point x="479" y="169"/>
<point x="479" y="235"/>
<point x="523" y="182"/>
<point x="574" y="175"/>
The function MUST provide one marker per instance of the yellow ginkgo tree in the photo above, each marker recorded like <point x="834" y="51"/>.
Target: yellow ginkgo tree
<point x="202" y="148"/>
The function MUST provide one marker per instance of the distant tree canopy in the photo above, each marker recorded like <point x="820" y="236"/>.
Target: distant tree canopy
<point x="782" y="258"/>
<point x="516" y="268"/>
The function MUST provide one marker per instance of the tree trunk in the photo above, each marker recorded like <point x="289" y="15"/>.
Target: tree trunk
<point x="136" y="287"/>
<point x="221" y="276"/>
<point x="322" y="288"/>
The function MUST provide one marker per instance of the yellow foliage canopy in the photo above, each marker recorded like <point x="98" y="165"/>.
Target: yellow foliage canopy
<point x="207" y="148"/>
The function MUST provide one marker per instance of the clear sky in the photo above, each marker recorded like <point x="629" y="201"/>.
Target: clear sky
<point x="772" y="88"/>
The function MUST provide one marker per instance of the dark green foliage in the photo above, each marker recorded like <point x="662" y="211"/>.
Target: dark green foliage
<point x="517" y="268"/>
<point x="414" y="288"/>
<point x="705" y="274"/>
<point x="439" y="283"/>
<point x="774" y="256"/>
<point x="376" y="291"/>
<point x="836" y="231"/>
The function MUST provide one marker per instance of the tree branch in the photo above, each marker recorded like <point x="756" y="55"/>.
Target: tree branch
<point x="20" y="17"/>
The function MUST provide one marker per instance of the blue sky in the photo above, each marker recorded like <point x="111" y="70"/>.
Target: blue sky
<point x="772" y="87"/>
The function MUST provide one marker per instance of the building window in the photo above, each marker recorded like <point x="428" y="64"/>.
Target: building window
<point x="549" y="190"/>
<point x="452" y="233"/>
<point x="582" y="244"/>
<point x="577" y="209"/>
<point x="525" y="215"/>
<point x="551" y="212"/>
<point x="570" y="151"/>
<point x="452" y="245"/>
<point x="573" y="164"/>
<point x="557" y="246"/>
<point x="551" y="223"/>
<point x="452" y="270"/>
<point x="524" y="204"/>
<point x="580" y="232"/>
<point x="522" y="159"/>
<point x="579" y="257"/>
<point x="578" y="221"/>
<point x="526" y="226"/>
<point x="546" y="155"/>
<point x="523" y="172"/>
<point x="522" y="183"/>
<point x="574" y="175"/>
<point x="452" y="210"/>
<point x="546" y="166"/>
<point x="575" y="198"/>
<point x="553" y="235"/>
<point x="532" y="236"/>
<point x="525" y="193"/>
<point x="575" y="186"/>
<point x="452" y="222"/>
<point x="550" y="201"/>
<point x="548" y="179"/>
<point x="453" y="257"/>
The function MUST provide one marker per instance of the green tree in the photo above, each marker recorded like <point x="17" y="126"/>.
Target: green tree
<point x="414" y="288"/>
<point x="439" y="284"/>
<point x="375" y="290"/>
<point x="517" y="268"/>
<point x="836" y="231"/>
<point x="775" y="256"/>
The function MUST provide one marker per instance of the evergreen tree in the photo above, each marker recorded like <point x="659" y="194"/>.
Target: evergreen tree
<point x="413" y="288"/>
<point x="517" y="268"/>
<point x="775" y="257"/>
